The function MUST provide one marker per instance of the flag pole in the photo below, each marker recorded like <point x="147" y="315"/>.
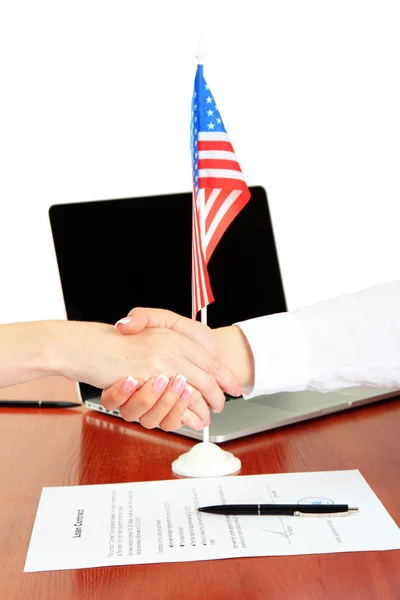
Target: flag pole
<point x="203" y="313"/>
<point x="205" y="459"/>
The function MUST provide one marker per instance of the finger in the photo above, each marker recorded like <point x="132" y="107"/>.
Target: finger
<point x="190" y="419"/>
<point x="144" y="398"/>
<point x="140" y="318"/>
<point x="169" y="403"/>
<point x="196" y="417"/>
<point x="119" y="393"/>
<point x="190" y="409"/>
<point x="200" y="408"/>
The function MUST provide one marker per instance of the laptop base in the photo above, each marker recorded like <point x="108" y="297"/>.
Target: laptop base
<point x="241" y="417"/>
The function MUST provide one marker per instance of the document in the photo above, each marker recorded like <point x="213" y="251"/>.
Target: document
<point x="157" y="521"/>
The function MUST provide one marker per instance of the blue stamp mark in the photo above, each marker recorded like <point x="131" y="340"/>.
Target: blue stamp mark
<point x="315" y="500"/>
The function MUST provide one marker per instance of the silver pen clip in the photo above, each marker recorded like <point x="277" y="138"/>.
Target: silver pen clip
<point x="351" y="510"/>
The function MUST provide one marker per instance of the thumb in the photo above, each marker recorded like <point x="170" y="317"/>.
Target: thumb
<point x="140" y="318"/>
<point x="133" y="323"/>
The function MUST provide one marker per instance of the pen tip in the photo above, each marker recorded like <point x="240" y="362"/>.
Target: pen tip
<point x="353" y="509"/>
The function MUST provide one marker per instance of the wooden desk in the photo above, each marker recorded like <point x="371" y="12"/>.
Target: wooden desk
<point x="76" y="446"/>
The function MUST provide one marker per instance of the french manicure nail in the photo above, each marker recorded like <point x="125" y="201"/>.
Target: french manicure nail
<point x="160" y="384"/>
<point x="123" y="321"/>
<point x="187" y="392"/>
<point x="178" y="384"/>
<point x="129" y="385"/>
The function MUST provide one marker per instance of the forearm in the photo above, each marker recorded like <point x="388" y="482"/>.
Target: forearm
<point x="27" y="352"/>
<point x="76" y="350"/>
<point x="348" y="341"/>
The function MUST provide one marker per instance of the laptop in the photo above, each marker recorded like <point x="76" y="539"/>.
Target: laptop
<point x="125" y="241"/>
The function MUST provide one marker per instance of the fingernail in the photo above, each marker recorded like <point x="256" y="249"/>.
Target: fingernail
<point x="178" y="384"/>
<point x="129" y="385"/>
<point x="160" y="384"/>
<point x="123" y="321"/>
<point x="187" y="392"/>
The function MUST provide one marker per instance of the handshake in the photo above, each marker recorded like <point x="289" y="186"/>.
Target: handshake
<point x="164" y="370"/>
<point x="155" y="366"/>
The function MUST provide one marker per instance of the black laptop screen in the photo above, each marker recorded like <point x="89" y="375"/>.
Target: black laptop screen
<point x="113" y="255"/>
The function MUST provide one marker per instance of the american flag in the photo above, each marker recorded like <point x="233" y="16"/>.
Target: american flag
<point x="219" y="189"/>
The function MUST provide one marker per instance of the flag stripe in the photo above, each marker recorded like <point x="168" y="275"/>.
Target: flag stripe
<point x="215" y="145"/>
<point x="211" y="197"/>
<point x="213" y="163"/>
<point x="219" y="154"/>
<point x="222" y="183"/>
<point x="217" y="208"/>
<point x="214" y="135"/>
<point x="196" y="300"/>
<point x="227" y="219"/>
<point x="219" y="174"/>
<point x="201" y="288"/>
<point x="199" y="261"/>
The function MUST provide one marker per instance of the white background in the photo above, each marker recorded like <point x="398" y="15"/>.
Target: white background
<point x="95" y="103"/>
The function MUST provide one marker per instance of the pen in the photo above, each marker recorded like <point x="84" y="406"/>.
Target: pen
<point x="36" y="404"/>
<point x="292" y="510"/>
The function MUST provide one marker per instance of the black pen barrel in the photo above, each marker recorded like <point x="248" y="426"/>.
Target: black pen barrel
<point x="310" y="509"/>
<point x="37" y="404"/>
<point x="232" y="509"/>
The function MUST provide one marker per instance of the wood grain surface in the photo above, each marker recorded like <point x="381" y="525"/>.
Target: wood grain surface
<point x="53" y="447"/>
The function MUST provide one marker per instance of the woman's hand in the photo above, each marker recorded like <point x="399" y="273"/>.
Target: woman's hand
<point x="99" y="355"/>
<point x="160" y="402"/>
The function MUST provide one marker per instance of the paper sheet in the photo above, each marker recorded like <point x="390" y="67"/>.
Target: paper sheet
<point x="157" y="521"/>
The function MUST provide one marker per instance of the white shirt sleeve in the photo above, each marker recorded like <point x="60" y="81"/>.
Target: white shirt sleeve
<point x="348" y="341"/>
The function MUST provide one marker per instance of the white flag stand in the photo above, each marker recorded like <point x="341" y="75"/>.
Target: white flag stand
<point x="206" y="459"/>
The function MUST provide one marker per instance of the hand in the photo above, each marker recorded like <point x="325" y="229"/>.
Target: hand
<point x="159" y="402"/>
<point x="138" y="320"/>
<point x="228" y="345"/>
<point x="97" y="354"/>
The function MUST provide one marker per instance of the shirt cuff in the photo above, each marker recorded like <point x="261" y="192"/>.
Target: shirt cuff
<point x="281" y="355"/>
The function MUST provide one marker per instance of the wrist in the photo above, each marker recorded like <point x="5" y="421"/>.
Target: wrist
<point x="234" y="351"/>
<point x="65" y="351"/>
<point x="83" y="351"/>
<point x="54" y="347"/>
<point x="48" y="348"/>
